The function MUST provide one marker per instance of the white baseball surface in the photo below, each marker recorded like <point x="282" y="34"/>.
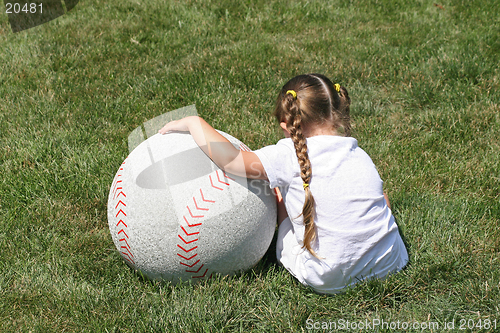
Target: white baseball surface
<point x="174" y="215"/>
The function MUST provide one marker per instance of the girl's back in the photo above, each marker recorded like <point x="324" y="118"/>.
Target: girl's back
<point x="357" y="236"/>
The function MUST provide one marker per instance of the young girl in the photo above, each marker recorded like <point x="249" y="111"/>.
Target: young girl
<point x="335" y="225"/>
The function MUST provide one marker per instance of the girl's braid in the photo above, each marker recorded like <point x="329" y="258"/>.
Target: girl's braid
<point x="294" y="126"/>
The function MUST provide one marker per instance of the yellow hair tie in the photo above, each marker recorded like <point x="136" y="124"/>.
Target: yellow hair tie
<point x="292" y="92"/>
<point x="305" y="185"/>
<point x="337" y="87"/>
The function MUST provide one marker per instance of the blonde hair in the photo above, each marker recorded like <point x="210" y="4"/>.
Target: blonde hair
<point x="315" y="101"/>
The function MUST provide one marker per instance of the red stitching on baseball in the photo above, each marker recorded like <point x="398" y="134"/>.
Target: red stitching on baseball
<point x="118" y="195"/>
<point x="195" y="216"/>
<point x="220" y="181"/>
<point x="120" y="202"/>
<point x="196" y="270"/>
<point x="122" y="231"/>
<point x="114" y="186"/>
<point x="120" y="211"/>
<point x="118" y="188"/>
<point x="194" y="255"/>
<point x="196" y="205"/>
<point x="191" y="241"/>
<point x="128" y="259"/>
<point x="128" y="250"/>
<point x="201" y="276"/>
<point x="191" y="225"/>
<point x="121" y="221"/>
<point x="183" y="249"/>
<point x="117" y="191"/>
<point x="190" y="266"/>
<point x="203" y="197"/>
<point x="124" y="240"/>
<point x="190" y="234"/>
<point x="211" y="182"/>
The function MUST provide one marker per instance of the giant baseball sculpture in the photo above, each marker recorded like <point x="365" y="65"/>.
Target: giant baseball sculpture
<point x="174" y="215"/>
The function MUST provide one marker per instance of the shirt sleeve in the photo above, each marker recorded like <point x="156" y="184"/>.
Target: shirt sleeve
<point x="278" y="163"/>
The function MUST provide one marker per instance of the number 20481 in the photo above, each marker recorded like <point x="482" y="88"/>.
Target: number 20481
<point x="473" y="324"/>
<point x="16" y="8"/>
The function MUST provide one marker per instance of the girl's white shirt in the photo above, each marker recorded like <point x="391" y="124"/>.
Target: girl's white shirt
<point x="357" y="236"/>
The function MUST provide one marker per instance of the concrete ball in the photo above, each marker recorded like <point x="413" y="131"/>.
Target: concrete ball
<point x="174" y="215"/>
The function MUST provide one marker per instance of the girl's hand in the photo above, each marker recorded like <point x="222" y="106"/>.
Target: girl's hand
<point x="181" y="125"/>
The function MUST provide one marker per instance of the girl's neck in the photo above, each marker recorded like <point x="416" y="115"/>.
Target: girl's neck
<point x="320" y="130"/>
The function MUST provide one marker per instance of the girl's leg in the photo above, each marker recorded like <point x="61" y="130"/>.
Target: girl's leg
<point x="282" y="214"/>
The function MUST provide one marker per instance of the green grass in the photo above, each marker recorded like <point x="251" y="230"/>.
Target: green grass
<point x="425" y="85"/>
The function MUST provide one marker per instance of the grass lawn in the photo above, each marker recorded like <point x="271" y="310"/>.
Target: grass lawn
<point x="424" y="81"/>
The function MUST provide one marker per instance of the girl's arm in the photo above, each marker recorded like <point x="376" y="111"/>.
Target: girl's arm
<point x="387" y="200"/>
<point x="282" y="213"/>
<point x="218" y="148"/>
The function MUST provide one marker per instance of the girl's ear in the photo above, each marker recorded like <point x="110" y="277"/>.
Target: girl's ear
<point x="285" y="131"/>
